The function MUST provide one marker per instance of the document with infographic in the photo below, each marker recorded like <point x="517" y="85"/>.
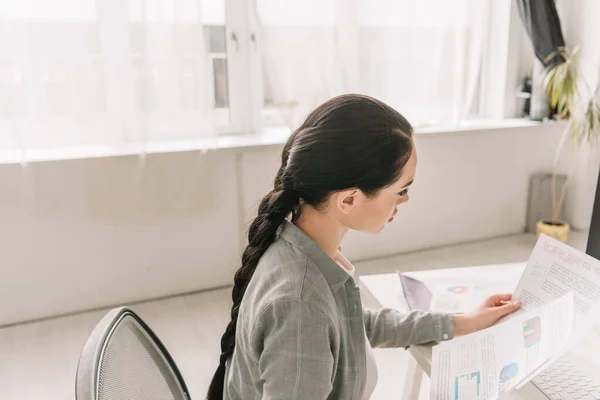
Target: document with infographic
<point x="488" y="363"/>
<point x="555" y="268"/>
<point x="560" y="294"/>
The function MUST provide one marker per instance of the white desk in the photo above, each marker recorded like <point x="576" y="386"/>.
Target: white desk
<point x="386" y="290"/>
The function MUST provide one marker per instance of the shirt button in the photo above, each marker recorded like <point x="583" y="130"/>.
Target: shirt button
<point x="445" y="336"/>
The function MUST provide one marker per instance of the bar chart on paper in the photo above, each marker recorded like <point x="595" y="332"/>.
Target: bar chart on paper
<point x="532" y="332"/>
<point x="467" y="386"/>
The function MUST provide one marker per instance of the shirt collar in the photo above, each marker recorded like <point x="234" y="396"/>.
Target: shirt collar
<point x="333" y="273"/>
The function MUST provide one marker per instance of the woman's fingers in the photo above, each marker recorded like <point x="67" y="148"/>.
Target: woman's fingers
<point x="508" y="307"/>
<point x="500" y="299"/>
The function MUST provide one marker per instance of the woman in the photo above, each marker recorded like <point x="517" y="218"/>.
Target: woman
<point x="298" y="329"/>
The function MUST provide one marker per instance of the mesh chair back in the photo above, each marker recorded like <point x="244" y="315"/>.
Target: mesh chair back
<point x="124" y="360"/>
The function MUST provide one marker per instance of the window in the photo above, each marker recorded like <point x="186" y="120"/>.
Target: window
<point x="421" y="57"/>
<point x="215" y="43"/>
<point x="119" y="72"/>
<point x="111" y="72"/>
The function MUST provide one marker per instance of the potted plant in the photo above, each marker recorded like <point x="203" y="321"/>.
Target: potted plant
<point x="570" y="96"/>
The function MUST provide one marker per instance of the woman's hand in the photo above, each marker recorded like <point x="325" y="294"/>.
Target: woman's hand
<point x="486" y="315"/>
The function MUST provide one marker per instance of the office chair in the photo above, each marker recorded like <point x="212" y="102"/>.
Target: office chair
<point x="124" y="360"/>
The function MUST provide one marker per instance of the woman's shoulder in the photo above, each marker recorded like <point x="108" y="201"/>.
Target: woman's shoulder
<point x="286" y="273"/>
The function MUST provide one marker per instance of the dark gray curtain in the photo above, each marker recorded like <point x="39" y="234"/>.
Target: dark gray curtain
<point x="541" y="21"/>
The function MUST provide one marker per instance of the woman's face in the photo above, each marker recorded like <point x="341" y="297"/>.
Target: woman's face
<point x="371" y="214"/>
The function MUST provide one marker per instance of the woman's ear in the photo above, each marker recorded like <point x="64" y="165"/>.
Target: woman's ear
<point x="346" y="200"/>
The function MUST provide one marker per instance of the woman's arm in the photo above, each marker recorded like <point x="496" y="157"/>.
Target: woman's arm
<point x="392" y="328"/>
<point x="296" y="361"/>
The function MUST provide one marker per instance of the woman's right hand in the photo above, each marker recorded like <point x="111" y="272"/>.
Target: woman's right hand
<point x="486" y="315"/>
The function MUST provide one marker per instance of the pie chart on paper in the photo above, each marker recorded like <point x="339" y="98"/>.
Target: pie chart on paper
<point x="458" y="289"/>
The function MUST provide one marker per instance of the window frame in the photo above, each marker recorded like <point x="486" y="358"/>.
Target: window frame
<point x="499" y="72"/>
<point x="239" y="41"/>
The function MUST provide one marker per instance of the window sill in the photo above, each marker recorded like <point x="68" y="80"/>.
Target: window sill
<point x="276" y="136"/>
<point x="273" y="136"/>
<point x="479" y="125"/>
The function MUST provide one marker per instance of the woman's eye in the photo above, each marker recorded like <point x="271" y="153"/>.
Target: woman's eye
<point x="404" y="192"/>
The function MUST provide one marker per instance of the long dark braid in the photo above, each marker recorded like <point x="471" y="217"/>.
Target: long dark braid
<point x="272" y="211"/>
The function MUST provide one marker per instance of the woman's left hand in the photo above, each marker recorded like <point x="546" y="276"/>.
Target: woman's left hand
<point x="486" y="315"/>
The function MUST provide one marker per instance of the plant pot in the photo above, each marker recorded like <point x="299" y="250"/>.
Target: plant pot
<point x="558" y="230"/>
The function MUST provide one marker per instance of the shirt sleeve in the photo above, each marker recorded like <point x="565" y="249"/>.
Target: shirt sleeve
<point x="391" y="328"/>
<point x="296" y="361"/>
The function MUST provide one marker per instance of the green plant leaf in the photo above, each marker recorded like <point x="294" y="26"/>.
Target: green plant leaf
<point x="561" y="82"/>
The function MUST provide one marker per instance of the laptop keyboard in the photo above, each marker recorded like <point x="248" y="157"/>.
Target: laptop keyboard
<point x="564" y="381"/>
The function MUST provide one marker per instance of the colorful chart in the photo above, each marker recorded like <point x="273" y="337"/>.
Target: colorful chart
<point x="458" y="289"/>
<point x="467" y="386"/>
<point x="532" y="332"/>
<point x="508" y="377"/>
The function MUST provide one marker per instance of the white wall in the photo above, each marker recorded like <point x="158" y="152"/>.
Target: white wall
<point x="87" y="233"/>
<point x="580" y="27"/>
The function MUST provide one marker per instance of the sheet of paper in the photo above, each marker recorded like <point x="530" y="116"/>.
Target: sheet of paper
<point x="458" y="290"/>
<point x="554" y="269"/>
<point x="485" y="364"/>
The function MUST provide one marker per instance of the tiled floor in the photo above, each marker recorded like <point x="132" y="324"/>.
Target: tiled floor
<point x="38" y="360"/>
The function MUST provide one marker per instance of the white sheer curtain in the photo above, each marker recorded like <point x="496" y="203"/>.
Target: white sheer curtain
<point x="112" y="73"/>
<point x="422" y="57"/>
